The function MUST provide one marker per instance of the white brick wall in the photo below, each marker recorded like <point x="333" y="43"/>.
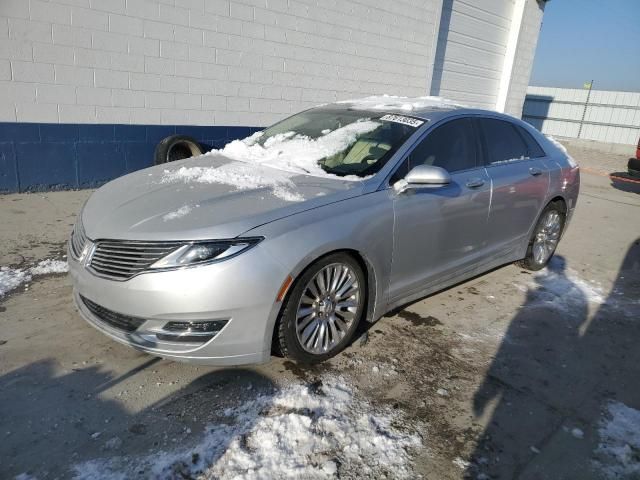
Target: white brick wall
<point x="225" y="62"/>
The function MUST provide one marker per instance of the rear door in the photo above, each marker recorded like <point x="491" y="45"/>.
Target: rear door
<point x="440" y="231"/>
<point x="520" y="181"/>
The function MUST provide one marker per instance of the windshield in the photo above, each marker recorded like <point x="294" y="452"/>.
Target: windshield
<point x="339" y="141"/>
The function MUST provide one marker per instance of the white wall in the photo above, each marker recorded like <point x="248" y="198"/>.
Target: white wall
<point x="610" y="117"/>
<point x="205" y="62"/>
<point x="525" y="53"/>
<point x="470" y="52"/>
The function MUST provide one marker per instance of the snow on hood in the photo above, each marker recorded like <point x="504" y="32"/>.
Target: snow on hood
<point x="393" y="102"/>
<point x="188" y="202"/>
<point x="273" y="163"/>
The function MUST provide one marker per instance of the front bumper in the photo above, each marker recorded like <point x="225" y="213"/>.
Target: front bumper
<point x="241" y="291"/>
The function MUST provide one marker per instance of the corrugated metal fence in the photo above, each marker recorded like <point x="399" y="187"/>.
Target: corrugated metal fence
<point x="603" y="116"/>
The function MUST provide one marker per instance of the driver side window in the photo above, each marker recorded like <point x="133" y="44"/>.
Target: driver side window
<point x="451" y="146"/>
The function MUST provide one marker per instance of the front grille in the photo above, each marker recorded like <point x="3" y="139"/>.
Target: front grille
<point x="78" y="239"/>
<point x="116" y="320"/>
<point x="122" y="259"/>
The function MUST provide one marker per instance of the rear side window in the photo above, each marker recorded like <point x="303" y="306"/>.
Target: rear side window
<point x="503" y="142"/>
<point x="451" y="146"/>
<point x="535" y="150"/>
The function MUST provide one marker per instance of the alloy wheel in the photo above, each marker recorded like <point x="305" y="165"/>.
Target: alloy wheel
<point x="327" y="309"/>
<point x="547" y="237"/>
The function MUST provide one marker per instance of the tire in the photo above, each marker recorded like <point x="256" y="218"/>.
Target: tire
<point x="545" y="237"/>
<point x="176" y="147"/>
<point x="339" y="315"/>
<point x="633" y="167"/>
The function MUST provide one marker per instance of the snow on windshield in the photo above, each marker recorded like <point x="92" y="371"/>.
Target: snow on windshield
<point x="391" y="102"/>
<point x="272" y="163"/>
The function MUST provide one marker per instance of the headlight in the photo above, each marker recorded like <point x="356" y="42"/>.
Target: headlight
<point x="198" y="253"/>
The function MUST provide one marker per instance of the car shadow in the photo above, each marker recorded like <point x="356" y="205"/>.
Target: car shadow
<point x="567" y="353"/>
<point x="57" y="425"/>
<point x="624" y="182"/>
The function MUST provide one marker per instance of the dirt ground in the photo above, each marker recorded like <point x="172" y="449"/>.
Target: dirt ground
<point x="506" y="376"/>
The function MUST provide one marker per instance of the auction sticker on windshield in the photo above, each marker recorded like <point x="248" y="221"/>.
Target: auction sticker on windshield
<point x="412" y="122"/>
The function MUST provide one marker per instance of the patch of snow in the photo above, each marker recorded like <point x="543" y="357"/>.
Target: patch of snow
<point x="460" y="463"/>
<point x="618" y="454"/>
<point x="181" y="212"/>
<point x="563" y="149"/>
<point x="562" y="288"/>
<point x="393" y="102"/>
<point x="12" y="278"/>
<point x="577" y="433"/>
<point x="25" y="476"/>
<point x="48" y="266"/>
<point x="297" y="432"/>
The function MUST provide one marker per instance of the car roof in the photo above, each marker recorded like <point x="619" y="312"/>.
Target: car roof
<point x="427" y="108"/>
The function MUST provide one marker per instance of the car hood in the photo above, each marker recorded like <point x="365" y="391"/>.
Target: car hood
<point x="190" y="200"/>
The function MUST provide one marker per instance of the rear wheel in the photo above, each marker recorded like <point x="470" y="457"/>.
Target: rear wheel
<point x="323" y="309"/>
<point x="545" y="237"/>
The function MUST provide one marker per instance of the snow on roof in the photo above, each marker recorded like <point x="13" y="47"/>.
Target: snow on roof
<point x="393" y="102"/>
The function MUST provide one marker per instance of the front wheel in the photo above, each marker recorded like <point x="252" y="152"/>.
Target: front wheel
<point x="323" y="309"/>
<point x="545" y="238"/>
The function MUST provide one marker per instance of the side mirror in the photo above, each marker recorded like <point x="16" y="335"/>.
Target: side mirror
<point x="423" y="176"/>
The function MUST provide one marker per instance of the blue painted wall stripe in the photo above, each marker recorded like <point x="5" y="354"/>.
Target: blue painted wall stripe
<point x="52" y="156"/>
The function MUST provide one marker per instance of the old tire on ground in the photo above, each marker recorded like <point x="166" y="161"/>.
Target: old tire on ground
<point x="176" y="147"/>
<point x="545" y="237"/>
<point x="322" y="310"/>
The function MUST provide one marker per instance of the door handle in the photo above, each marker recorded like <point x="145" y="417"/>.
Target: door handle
<point x="535" y="171"/>
<point x="475" y="182"/>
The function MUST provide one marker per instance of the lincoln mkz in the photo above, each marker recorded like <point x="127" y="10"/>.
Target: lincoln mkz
<point x="289" y="239"/>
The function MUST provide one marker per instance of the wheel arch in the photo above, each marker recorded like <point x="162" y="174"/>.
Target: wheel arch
<point x="370" y="280"/>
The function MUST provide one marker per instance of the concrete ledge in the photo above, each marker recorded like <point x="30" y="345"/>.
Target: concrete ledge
<point x="616" y="148"/>
<point x="51" y="156"/>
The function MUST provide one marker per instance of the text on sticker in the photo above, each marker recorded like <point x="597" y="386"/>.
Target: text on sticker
<point x="412" y="122"/>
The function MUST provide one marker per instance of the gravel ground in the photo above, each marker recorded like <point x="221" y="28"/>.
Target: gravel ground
<point x="507" y="375"/>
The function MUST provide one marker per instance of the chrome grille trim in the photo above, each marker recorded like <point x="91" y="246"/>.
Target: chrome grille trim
<point x="123" y="259"/>
<point x="78" y="239"/>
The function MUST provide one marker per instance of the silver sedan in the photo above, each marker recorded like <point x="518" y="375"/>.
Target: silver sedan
<point x="287" y="240"/>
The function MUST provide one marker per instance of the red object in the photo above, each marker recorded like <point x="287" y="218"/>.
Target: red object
<point x="638" y="150"/>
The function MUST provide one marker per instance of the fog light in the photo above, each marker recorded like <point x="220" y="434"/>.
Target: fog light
<point x="200" y="331"/>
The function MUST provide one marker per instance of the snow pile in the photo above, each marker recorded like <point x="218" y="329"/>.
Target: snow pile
<point x="618" y="454"/>
<point x="562" y="289"/>
<point x="12" y="278"/>
<point x="271" y="165"/>
<point x="181" y="212"/>
<point x="393" y="102"/>
<point x="310" y="432"/>
<point x="563" y="149"/>
<point x="49" y="266"/>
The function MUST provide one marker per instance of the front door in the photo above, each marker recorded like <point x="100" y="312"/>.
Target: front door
<point x="440" y="232"/>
